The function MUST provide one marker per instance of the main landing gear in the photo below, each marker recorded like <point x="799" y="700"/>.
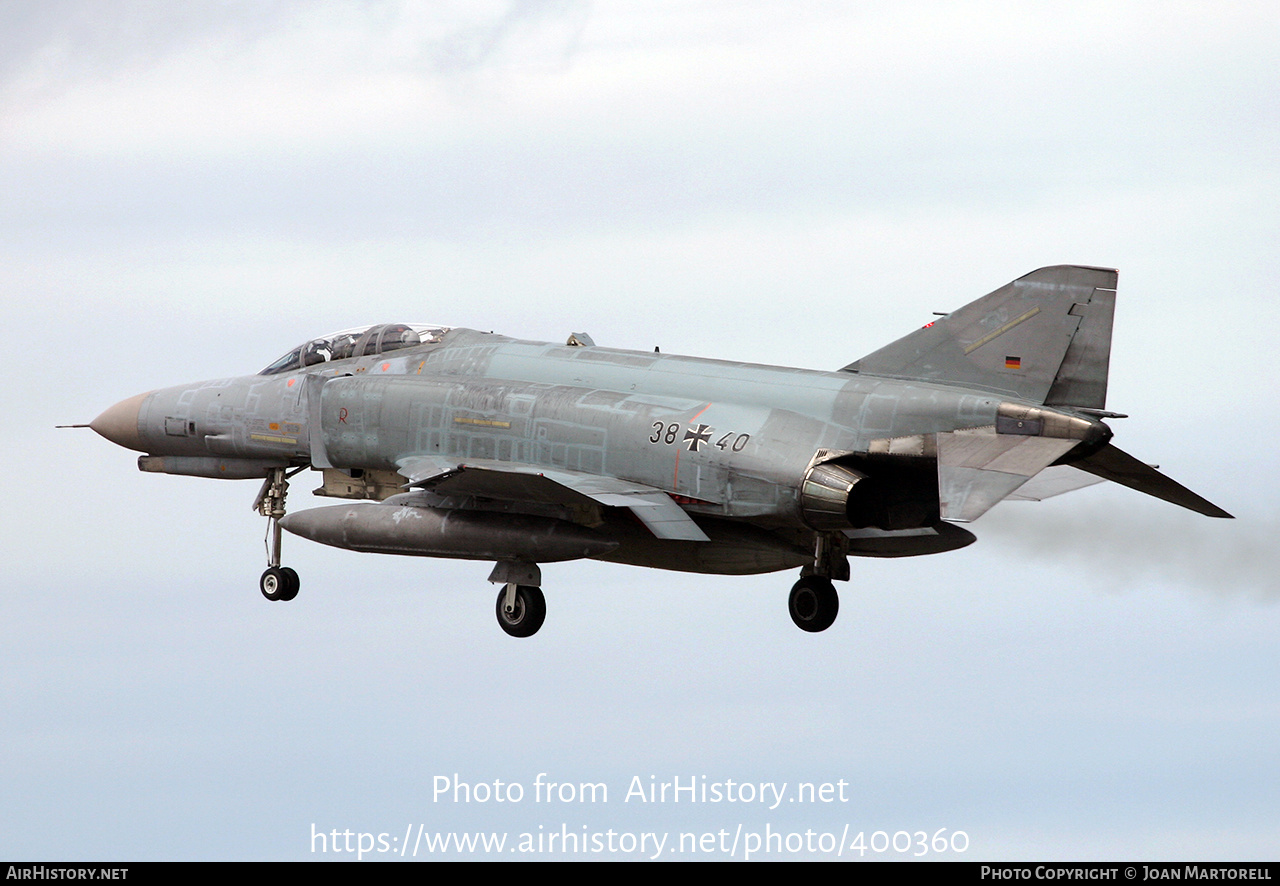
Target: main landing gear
<point x="814" y="603"/>
<point x="278" y="582"/>
<point x="521" y="608"/>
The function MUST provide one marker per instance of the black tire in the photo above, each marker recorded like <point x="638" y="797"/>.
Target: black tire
<point x="292" y="583"/>
<point x="530" y="611"/>
<point x="274" y="584"/>
<point x="814" y="603"/>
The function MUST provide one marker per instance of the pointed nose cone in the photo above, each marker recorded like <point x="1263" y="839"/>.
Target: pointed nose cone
<point x="119" y="424"/>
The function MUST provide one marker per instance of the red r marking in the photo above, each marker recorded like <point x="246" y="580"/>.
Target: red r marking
<point x="342" y="415"/>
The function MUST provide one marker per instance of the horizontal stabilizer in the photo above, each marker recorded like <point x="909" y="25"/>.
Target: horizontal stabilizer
<point x="1052" y="481"/>
<point x="1117" y="466"/>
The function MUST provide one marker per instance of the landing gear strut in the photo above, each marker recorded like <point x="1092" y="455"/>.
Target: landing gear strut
<point x="814" y="602"/>
<point x="278" y="582"/>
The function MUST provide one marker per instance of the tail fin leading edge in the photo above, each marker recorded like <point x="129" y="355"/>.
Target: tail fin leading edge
<point x="1045" y="337"/>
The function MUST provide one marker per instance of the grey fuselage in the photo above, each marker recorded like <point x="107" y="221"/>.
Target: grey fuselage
<point x="734" y="444"/>
<point x="733" y="440"/>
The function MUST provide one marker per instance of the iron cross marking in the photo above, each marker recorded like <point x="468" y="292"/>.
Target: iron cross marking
<point x="695" y="437"/>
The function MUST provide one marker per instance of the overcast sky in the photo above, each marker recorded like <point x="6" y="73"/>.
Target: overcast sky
<point x="187" y="191"/>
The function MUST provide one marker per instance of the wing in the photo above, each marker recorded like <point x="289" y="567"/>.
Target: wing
<point x="512" y="481"/>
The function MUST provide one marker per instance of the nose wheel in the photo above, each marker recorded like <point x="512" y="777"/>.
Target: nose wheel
<point x="278" y="582"/>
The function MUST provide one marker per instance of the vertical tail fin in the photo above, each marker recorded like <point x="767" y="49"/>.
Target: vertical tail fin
<point x="1045" y="337"/>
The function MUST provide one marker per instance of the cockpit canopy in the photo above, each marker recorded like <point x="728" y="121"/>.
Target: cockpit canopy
<point x="363" y="342"/>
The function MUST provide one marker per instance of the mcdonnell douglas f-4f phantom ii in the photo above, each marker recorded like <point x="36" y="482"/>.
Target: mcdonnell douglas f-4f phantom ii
<point x="478" y="446"/>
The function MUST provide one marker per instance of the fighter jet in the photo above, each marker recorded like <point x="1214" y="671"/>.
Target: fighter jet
<point x="473" y="445"/>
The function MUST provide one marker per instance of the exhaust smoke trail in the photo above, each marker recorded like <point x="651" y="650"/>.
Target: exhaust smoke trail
<point x="1235" y="558"/>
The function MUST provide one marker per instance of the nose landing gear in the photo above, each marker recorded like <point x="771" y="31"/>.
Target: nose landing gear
<point x="278" y="582"/>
